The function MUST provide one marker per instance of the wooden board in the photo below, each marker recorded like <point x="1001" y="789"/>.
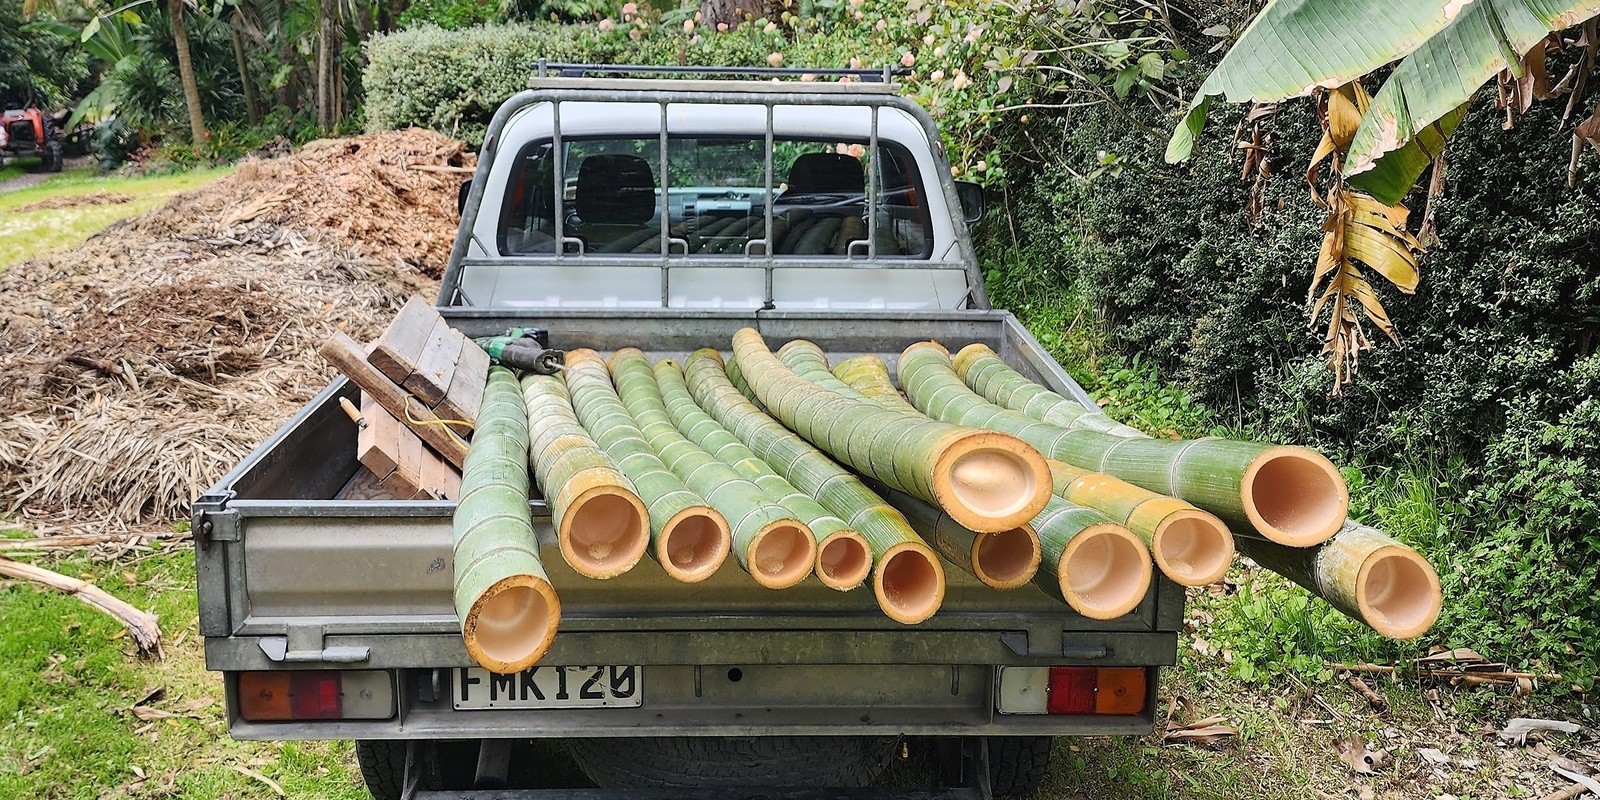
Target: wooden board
<point x="465" y="395"/>
<point x="440" y="480"/>
<point x="430" y="377"/>
<point x="378" y="442"/>
<point x="397" y="351"/>
<point x="348" y="357"/>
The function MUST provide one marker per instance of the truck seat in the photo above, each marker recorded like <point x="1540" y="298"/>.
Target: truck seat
<point x="616" y="196"/>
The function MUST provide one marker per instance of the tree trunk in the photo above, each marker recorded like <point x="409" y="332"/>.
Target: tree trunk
<point x="327" y="64"/>
<point x="191" y="89"/>
<point x="252" y="101"/>
<point x="731" y="12"/>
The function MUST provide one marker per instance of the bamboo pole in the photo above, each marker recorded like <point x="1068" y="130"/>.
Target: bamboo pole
<point x="843" y="557"/>
<point x="907" y="579"/>
<point x="1191" y="546"/>
<point x="987" y="481"/>
<point x="1364" y="574"/>
<point x="509" y="612"/>
<point x="1290" y="495"/>
<point x="1098" y="567"/>
<point x="689" y="537"/>
<point x="985" y="373"/>
<point x="601" y="524"/>
<point x="769" y="541"/>
<point x="1004" y="560"/>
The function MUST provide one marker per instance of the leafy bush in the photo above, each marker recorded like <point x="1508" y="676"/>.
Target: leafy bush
<point x="38" y="59"/>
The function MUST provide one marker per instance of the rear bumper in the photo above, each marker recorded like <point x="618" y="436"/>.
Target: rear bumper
<point x="751" y="700"/>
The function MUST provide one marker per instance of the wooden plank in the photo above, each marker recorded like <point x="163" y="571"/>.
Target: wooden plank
<point x="378" y="444"/>
<point x="347" y="356"/>
<point x="405" y="482"/>
<point x="430" y="377"/>
<point x="439" y="480"/>
<point x="396" y="352"/>
<point x="465" y="395"/>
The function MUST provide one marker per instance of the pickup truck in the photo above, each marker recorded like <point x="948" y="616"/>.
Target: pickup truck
<point x="667" y="214"/>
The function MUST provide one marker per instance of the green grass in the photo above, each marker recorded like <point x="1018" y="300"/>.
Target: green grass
<point x="30" y="234"/>
<point x="69" y="680"/>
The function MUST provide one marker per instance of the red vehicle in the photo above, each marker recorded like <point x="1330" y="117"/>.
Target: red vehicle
<point x="27" y="130"/>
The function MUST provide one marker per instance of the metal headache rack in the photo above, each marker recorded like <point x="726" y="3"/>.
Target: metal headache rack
<point x="558" y="83"/>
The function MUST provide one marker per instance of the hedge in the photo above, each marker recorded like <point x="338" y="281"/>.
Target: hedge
<point x="452" y="81"/>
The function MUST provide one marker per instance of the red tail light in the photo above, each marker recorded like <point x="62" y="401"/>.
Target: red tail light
<point x="315" y="694"/>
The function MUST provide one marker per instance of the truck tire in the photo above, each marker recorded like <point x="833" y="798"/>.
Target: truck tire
<point x="383" y="766"/>
<point x="1018" y="764"/>
<point x="53" y="159"/>
<point x="777" y="761"/>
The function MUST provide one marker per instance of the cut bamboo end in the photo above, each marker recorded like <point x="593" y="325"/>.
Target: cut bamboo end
<point x="782" y="554"/>
<point x="844" y="560"/>
<point x="991" y="482"/>
<point x="1104" y="571"/>
<point x="909" y="583"/>
<point x="1294" y="496"/>
<point x="605" y="532"/>
<point x="1398" y="592"/>
<point x="1192" y="547"/>
<point x="693" y="544"/>
<point x="511" y="625"/>
<point x="1008" y="559"/>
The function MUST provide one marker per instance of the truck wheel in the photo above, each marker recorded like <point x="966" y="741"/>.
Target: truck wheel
<point x="52" y="156"/>
<point x="781" y="761"/>
<point x="1018" y="764"/>
<point x="383" y="766"/>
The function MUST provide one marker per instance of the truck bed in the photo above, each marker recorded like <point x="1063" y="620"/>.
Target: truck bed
<point x="292" y="578"/>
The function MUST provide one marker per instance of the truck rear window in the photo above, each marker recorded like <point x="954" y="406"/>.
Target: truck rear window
<point x="715" y="199"/>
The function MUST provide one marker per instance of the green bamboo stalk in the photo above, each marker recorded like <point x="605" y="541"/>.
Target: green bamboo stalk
<point x="985" y="373"/>
<point x="602" y="526"/>
<point x="987" y="481"/>
<point x="810" y="362"/>
<point x="1190" y="546"/>
<point x="843" y="556"/>
<point x="1098" y="567"/>
<point x="509" y="612"/>
<point x="1363" y="573"/>
<point x="1290" y="495"/>
<point x="1004" y="560"/>
<point x="770" y="542"/>
<point x="908" y="580"/>
<point x="689" y="537"/>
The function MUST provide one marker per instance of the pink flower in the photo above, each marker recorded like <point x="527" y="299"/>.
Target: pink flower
<point x="606" y="25"/>
<point x="630" y="8"/>
<point x="775" y="59"/>
<point x="722" y="27"/>
<point x="769" y="27"/>
<point x="855" y="63"/>
<point x="881" y="24"/>
<point x="688" y="26"/>
<point x="908" y="60"/>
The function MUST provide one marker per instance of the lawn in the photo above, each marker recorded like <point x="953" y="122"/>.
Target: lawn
<point x="26" y="234"/>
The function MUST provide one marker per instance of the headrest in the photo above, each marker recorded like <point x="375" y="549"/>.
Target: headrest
<point x="815" y="173"/>
<point x="615" y="189"/>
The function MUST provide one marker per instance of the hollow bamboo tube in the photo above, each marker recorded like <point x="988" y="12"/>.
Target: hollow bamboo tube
<point x="987" y="481"/>
<point x="1363" y="573"/>
<point x="602" y="526"/>
<point x="907" y="579"/>
<point x="985" y="373"/>
<point x="1004" y="560"/>
<point x="509" y="612"/>
<point x="689" y="537"/>
<point x="1190" y="546"/>
<point x="843" y="557"/>
<point x="1098" y="567"/>
<point x="1290" y="495"/>
<point x="769" y="541"/>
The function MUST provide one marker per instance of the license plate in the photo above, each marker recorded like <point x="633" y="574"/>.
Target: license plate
<point x="549" y="687"/>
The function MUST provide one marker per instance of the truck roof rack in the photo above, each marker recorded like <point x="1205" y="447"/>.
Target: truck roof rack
<point x="546" y="69"/>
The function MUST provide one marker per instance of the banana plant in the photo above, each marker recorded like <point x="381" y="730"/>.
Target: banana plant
<point x="1447" y="50"/>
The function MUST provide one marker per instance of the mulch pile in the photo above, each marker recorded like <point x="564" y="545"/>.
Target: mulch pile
<point x="100" y="198"/>
<point x="140" y="367"/>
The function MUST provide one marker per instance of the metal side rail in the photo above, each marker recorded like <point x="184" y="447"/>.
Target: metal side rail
<point x="972" y="777"/>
